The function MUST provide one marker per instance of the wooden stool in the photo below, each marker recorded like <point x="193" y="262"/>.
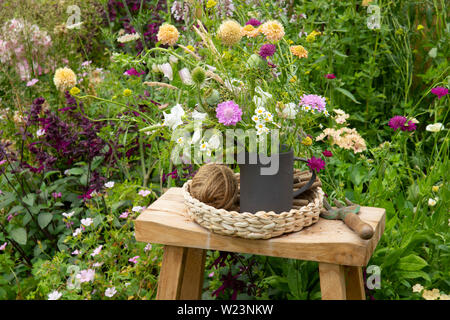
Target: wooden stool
<point x="339" y="251"/>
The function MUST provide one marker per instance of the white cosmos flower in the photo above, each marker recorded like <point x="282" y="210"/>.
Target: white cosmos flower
<point x="54" y="295"/>
<point x="290" y="110"/>
<point x="173" y="119"/>
<point x="432" y="202"/>
<point x="77" y="232"/>
<point x="110" y="292"/>
<point x="40" y="132"/>
<point x="68" y="215"/>
<point x="435" y="127"/>
<point x="86" y="222"/>
<point x="186" y="77"/>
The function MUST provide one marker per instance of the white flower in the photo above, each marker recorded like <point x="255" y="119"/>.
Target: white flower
<point x="260" y="111"/>
<point x="77" y="232"/>
<point x="180" y="140"/>
<point x="96" y="251"/>
<point x="128" y="37"/>
<point x="109" y="184"/>
<point x="436" y="127"/>
<point x="40" y="133"/>
<point x="290" y="110"/>
<point x="144" y="193"/>
<point x="214" y="142"/>
<point x="148" y="247"/>
<point x="97" y="264"/>
<point x="166" y="68"/>
<point x="86" y="222"/>
<point x="256" y="119"/>
<point x="268" y="117"/>
<point x="432" y="202"/>
<point x="54" y="295"/>
<point x="86" y="275"/>
<point x="68" y="215"/>
<point x="185" y="76"/>
<point x="203" y="146"/>
<point x="110" y="292"/>
<point x="137" y="209"/>
<point x="199" y="116"/>
<point x="173" y="119"/>
<point x="417" y="287"/>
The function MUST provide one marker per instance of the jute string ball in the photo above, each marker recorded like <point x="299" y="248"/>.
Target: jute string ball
<point x="215" y="185"/>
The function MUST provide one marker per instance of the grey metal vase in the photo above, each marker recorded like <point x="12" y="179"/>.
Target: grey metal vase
<point x="268" y="192"/>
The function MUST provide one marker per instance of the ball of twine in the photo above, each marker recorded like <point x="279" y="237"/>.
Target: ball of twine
<point x="215" y="185"/>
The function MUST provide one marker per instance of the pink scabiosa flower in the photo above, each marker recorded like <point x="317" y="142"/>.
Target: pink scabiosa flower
<point x="439" y="91"/>
<point x="327" y="153"/>
<point x="316" y="164"/>
<point x="400" y="122"/>
<point x="267" y="50"/>
<point x="330" y="76"/>
<point x="228" y="113"/>
<point x="313" y="101"/>
<point x="254" y="22"/>
<point x="134" y="72"/>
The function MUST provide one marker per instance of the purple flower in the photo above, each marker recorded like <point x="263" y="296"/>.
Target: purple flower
<point x="316" y="164"/>
<point x="267" y="50"/>
<point x="254" y="22"/>
<point x="439" y="91"/>
<point x="228" y="113"/>
<point x="133" y="72"/>
<point x="330" y="76"/>
<point x="400" y="122"/>
<point x="313" y="101"/>
<point x="327" y="153"/>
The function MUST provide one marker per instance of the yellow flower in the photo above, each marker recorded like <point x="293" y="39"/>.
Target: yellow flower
<point x="273" y="30"/>
<point x="168" y="34"/>
<point x="435" y="188"/>
<point x="191" y="48"/>
<point x="74" y="91"/>
<point x="431" y="294"/>
<point x="417" y="288"/>
<point x="293" y="79"/>
<point x="230" y="32"/>
<point x="64" y="78"/>
<point x="299" y="51"/>
<point x="307" y="141"/>
<point x="290" y="41"/>
<point x="311" y="37"/>
<point x="210" y="4"/>
<point x="250" y="31"/>
<point x="127" y="92"/>
<point x="419" y="27"/>
<point x="365" y="3"/>
<point x="307" y="71"/>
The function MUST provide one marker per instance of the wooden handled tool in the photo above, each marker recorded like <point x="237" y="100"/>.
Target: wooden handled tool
<point x="349" y="216"/>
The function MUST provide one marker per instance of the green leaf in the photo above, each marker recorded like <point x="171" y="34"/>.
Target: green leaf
<point x="75" y="171"/>
<point x="44" y="219"/>
<point x="413" y="275"/>
<point x="340" y="54"/>
<point x="29" y="199"/>
<point x="412" y="263"/>
<point x="358" y="174"/>
<point x="348" y="94"/>
<point x="19" y="235"/>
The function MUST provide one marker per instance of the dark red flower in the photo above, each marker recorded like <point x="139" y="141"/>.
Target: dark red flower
<point x="316" y="164"/>
<point x="330" y="76"/>
<point x="327" y="153"/>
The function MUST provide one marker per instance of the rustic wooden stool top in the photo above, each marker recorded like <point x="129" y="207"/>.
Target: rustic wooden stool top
<point x="339" y="251"/>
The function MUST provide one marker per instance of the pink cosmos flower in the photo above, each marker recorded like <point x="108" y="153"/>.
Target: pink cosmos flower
<point x="124" y="215"/>
<point x="211" y="274"/>
<point x="316" y="164"/>
<point x="330" y="76"/>
<point x="2" y="162"/>
<point x="134" y="259"/>
<point x="86" y="275"/>
<point x="32" y="82"/>
<point x="228" y="113"/>
<point x="439" y="91"/>
<point x="96" y="251"/>
<point x="75" y="252"/>
<point x="3" y="246"/>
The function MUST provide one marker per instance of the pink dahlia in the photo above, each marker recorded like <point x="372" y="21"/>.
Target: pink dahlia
<point x="439" y="91"/>
<point x="316" y="164"/>
<point x="313" y="101"/>
<point x="228" y="113"/>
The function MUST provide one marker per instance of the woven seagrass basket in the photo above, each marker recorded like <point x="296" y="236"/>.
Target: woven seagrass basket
<point x="259" y="225"/>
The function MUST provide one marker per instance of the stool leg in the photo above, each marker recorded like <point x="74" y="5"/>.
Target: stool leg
<point x="171" y="275"/>
<point x="332" y="281"/>
<point x="192" y="285"/>
<point x="354" y="283"/>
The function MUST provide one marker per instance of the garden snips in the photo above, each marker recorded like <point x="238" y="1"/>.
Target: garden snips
<point x="348" y="214"/>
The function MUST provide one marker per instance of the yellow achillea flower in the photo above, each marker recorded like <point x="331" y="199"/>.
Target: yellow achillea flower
<point x="64" y="78"/>
<point x="273" y="30"/>
<point x="168" y="34"/>
<point x="310" y="37"/>
<point x="191" y="48"/>
<point x="293" y="79"/>
<point x="420" y="27"/>
<point x="250" y="31"/>
<point x="307" y="141"/>
<point x="127" y="92"/>
<point x="230" y="32"/>
<point x="74" y="91"/>
<point x="299" y="51"/>
<point x="210" y="4"/>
